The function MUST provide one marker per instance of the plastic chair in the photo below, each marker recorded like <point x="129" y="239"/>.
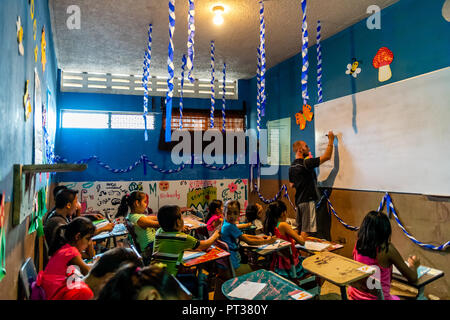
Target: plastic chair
<point x="133" y="235"/>
<point x="27" y="275"/>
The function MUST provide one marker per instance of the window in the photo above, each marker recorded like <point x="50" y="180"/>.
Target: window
<point x="200" y="120"/>
<point x="105" y="120"/>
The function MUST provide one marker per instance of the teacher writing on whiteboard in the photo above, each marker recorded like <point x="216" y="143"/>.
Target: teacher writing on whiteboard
<point x="302" y="177"/>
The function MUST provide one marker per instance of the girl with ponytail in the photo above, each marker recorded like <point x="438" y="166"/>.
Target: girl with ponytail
<point x="275" y="224"/>
<point x="66" y="261"/>
<point x="133" y="206"/>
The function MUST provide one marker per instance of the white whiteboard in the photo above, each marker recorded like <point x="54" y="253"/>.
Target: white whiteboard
<point x="391" y="138"/>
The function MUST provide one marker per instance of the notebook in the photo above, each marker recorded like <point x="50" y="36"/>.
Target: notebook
<point x="247" y="290"/>
<point x="421" y="270"/>
<point x="188" y="255"/>
<point x="316" y="246"/>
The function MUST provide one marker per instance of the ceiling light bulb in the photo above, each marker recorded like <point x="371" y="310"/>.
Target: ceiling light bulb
<point x="218" y="19"/>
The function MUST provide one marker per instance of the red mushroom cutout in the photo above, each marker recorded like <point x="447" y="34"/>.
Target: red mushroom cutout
<point x="381" y="61"/>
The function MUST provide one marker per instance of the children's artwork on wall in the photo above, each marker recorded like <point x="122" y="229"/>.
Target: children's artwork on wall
<point x="34" y="29"/>
<point x="353" y="68"/>
<point x="20" y="35"/>
<point x="305" y="115"/>
<point x="43" y="50"/>
<point x="104" y="197"/>
<point x="2" y="237"/>
<point x="27" y="101"/>
<point x="32" y="9"/>
<point x="446" y="10"/>
<point x="38" y="134"/>
<point x="381" y="61"/>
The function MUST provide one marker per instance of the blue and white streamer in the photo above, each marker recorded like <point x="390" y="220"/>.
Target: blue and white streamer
<point x="190" y="42"/>
<point x="211" y="116"/>
<point x="145" y="78"/>
<point x="258" y="92"/>
<point x="283" y="191"/>
<point x="223" y="97"/>
<point x="319" y="64"/>
<point x="262" y="47"/>
<point x="183" y="64"/>
<point x="305" y="64"/>
<point x="390" y="209"/>
<point x="170" y="69"/>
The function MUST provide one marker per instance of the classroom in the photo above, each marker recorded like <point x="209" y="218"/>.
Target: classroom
<point x="306" y="157"/>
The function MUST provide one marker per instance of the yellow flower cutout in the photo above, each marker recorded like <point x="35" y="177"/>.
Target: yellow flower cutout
<point x="36" y="53"/>
<point x="43" y="50"/>
<point x="20" y="35"/>
<point x="27" y="102"/>
<point x="32" y="9"/>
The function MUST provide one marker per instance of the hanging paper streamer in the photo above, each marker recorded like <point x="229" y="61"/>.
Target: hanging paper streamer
<point x="258" y="92"/>
<point x="305" y="63"/>
<point x="223" y="97"/>
<point x="145" y="78"/>
<point x="170" y="69"/>
<point x="262" y="47"/>
<point x="390" y="209"/>
<point x="190" y="42"/>
<point x="319" y="64"/>
<point x="183" y="65"/>
<point x="2" y="237"/>
<point x="211" y="116"/>
<point x="283" y="191"/>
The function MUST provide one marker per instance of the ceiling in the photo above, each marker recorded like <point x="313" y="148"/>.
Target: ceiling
<point x="113" y="33"/>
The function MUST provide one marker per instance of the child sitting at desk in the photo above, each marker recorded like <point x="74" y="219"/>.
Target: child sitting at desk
<point x="132" y="282"/>
<point x="144" y="225"/>
<point x="231" y="236"/>
<point x="170" y="241"/>
<point x="66" y="251"/>
<point x="107" y="265"/>
<point x="215" y="216"/>
<point x="374" y="247"/>
<point x="276" y="224"/>
<point x="254" y="213"/>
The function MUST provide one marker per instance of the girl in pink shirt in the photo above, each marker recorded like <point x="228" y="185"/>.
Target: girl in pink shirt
<point x="215" y="215"/>
<point x="374" y="248"/>
<point x="60" y="274"/>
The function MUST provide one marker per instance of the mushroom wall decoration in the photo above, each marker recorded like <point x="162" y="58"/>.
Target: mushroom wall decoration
<point x="381" y="61"/>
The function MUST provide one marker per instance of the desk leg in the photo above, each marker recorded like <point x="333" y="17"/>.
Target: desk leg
<point x="343" y="293"/>
<point x="293" y="270"/>
<point x="420" y="294"/>
<point x="233" y="273"/>
<point x="200" y="282"/>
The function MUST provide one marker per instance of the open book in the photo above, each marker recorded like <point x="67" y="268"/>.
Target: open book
<point x="421" y="270"/>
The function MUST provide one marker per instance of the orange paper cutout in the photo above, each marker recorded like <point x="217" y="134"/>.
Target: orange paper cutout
<point x="302" y="117"/>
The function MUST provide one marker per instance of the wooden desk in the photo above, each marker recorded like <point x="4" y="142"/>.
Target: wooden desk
<point x="277" y="288"/>
<point x="336" y="269"/>
<point x="427" y="278"/>
<point x="195" y="221"/>
<point x="213" y="254"/>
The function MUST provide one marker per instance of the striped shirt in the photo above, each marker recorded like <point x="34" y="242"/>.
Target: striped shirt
<point x="169" y="248"/>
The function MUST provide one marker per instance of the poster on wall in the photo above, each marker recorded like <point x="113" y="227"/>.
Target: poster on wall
<point x="38" y="135"/>
<point x="104" y="197"/>
<point x="276" y="129"/>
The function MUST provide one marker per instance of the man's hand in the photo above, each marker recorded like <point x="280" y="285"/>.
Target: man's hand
<point x="330" y="137"/>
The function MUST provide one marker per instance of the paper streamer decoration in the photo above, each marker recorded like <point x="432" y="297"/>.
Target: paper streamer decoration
<point x="170" y="69"/>
<point x="183" y="65"/>
<point x="258" y="92"/>
<point x="283" y="190"/>
<point x="223" y="97"/>
<point x="262" y="47"/>
<point x="2" y="237"/>
<point x="319" y="64"/>
<point x="390" y="209"/>
<point x="211" y="116"/>
<point x="34" y="29"/>
<point x="305" y="64"/>
<point x="32" y="9"/>
<point x="146" y="76"/>
<point x="20" y="36"/>
<point x="190" y="42"/>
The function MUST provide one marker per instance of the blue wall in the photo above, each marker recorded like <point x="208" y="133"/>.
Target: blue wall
<point x="120" y="148"/>
<point x="413" y="30"/>
<point x="16" y="135"/>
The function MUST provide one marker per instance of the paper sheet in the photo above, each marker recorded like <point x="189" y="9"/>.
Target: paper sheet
<point x="421" y="270"/>
<point x="187" y="255"/>
<point x="316" y="246"/>
<point x="301" y="295"/>
<point x="247" y="290"/>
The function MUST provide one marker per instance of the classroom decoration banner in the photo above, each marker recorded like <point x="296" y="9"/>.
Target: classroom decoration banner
<point x="104" y="197"/>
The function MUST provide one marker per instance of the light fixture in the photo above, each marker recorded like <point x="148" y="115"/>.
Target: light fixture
<point x="218" y="10"/>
